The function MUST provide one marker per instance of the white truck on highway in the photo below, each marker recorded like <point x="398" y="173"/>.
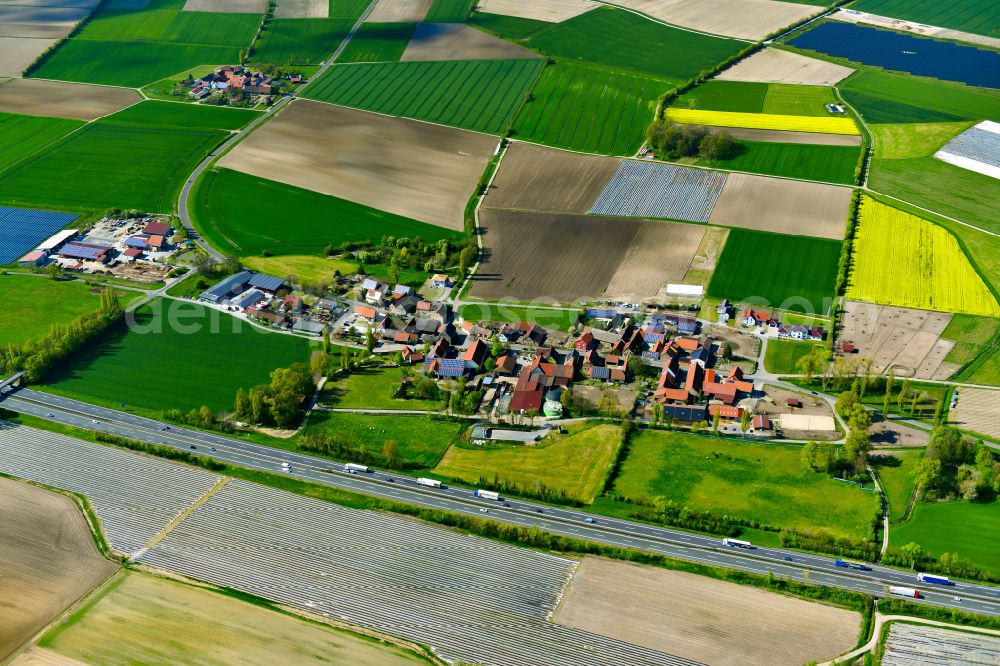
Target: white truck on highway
<point x="487" y="494"/>
<point x="736" y="543"/>
<point x="430" y="483"/>
<point x="904" y="591"/>
<point x="354" y="467"/>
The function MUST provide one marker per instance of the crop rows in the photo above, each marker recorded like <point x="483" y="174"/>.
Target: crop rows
<point x="643" y="189"/>
<point x="976" y="144"/>
<point x="765" y="121"/>
<point x="134" y="496"/>
<point x="904" y="260"/>
<point x="477" y="95"/>
<point x="589" y="109"/>
<point x="466" y="597"/>
<point x="934" y="646"/>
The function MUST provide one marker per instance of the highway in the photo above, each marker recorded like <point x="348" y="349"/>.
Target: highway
<point x="793" y="565"/>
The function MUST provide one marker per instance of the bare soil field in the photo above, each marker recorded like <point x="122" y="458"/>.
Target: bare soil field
<point x="707" y="257"/>
<point x="37" y="97"/>
<point x="39" y="22"/>
<point x="703" y="619"/>
<point x="457" y="41"/>
<point x="744" y="19"/>
<point x="533" y="177"/>
<point x="977" y="410"/>
<point x="299" y="8"/>
<point x="399" y="11"/>
<point x="782" y="206"/>
<point x="891" y="434"/>
<point x="553" y="11"/>
<point x="16" y="53"/>
<point x="787" y="136"/>
<point x="777" y="66"/>
<point x="904" y="339"/>
<point x="144" y="619"/>
<point x="49" y="560"/>
<point x="423" y="171"/>
<point x="236" y="6"/>
<point x="566" y="258"/>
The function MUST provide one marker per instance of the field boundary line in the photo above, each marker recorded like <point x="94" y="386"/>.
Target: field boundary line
<point x="498" y="137"/>
<point x="180" y="517"/>
<point x="607" y="3"/>
<point x="932" y="212"/>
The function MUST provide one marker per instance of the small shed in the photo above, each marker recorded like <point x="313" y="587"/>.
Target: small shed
<point x="794" y="402"/>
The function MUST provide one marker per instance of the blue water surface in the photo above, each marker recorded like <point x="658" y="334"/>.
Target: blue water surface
<point x="904" y="53"/>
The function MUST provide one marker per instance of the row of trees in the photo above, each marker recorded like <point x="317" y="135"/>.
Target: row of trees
<point x="280" y="403"/>
<point x="675" y="140"/>
<point x="36" y="357"/>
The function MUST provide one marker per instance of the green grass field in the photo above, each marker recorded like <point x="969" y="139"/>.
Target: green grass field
<point x="178" y="355"/>
<point x="132" y="64"/>
<point x="372" y="388"/>
<point x="969" y="529"/>
<point x="971" y="336"/>
<point x="576" y="464"/>
<point x="420" y="440"/>
<point x="742" y="97"/>
<point x="986" y="370"/>
<point x="21" y="136"/>
<point x="591" y="109"/>
<point x="303" y="267"/>
<point x="782" y="356"/>
<point x="110" y="165"/>
<point x="481" y="95"/>
<point x="899" y="141"/>
<point x="138" y="618"/>
<point x="167" y="114"/>
<point x="508" y="27"/>
<point x="754" y="481"/>
<point x="796" y="100"/>
<point x="896" y="473"/>
<point x="378" y="42"/>
<point x="791" y="272"/>
<point x="978" y="16"/>
<point x="562" y="320"/>
<point x="228" y="223"/>
<point x="882" y="97"/>
<point x="172" y="26"/>
<point x="300" y="41"/>
<point x="829" y="164"/>
<point x="347" y="9"/>
<point x="33" y="304"/>
<point x="449" y="11"/>
<point x="621" y="39"/>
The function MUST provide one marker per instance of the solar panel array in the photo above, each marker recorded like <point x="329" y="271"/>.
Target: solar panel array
<point x="22" y="229"/>
<point x="645" y="189"/>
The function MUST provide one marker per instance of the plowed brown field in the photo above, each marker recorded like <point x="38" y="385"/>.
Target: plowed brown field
<point x="399" y="11"/>
<point x="566" y="258"/>
<point x="37" y="97"/>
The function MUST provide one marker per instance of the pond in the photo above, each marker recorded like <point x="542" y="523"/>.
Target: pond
<point x="904" y="53"/>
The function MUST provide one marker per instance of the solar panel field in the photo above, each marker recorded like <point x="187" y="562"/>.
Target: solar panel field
<point x="588" y="108"/>
<point x="643" y="189"/>
<point x="480" y="95"/>
<point x="239" y="355"/>
<point x="22" y="229"/>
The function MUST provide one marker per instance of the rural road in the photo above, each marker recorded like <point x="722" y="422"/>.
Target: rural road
<point x="184" y="200"/>
<point x="816" y="569"/>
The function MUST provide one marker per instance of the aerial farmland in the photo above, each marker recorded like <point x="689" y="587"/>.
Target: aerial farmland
<point x="654" y="332"/>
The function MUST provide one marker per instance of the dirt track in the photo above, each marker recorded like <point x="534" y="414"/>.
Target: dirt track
<point x="570" y="257"/>
<point x="229" y="6"/>
<point x="457" y="41"/>
<point x="422" y="171"/>
<point x="745" y="19"/>
<point x="48" y="560"/>
<point x="777" y="66"/>
<point x="532" y="177"/>
<point x="35" y="97"/>
<point x="782" y="206"/>
<point x="787" y="136"/>
<point x="704" y="619"/>
<point x="399" y="11"/>
<point x="553" y="11"/>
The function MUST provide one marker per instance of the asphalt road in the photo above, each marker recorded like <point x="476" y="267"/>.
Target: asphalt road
<point x="568" y="522"/>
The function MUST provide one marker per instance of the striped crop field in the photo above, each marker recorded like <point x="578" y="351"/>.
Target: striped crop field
<point x="903" y="260"/>
<point x="764" y="121"/>
<point x="643" y="189"/>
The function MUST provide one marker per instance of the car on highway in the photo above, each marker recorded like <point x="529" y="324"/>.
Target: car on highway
<point x="193" y="446"/>
<point x="506" y="503"/>
<point x="956" y="598"/>
<point x="49" y="415"/>
<point x="94" y="421"/>
<point x="588" y="519"/>
<point x="211" y="448"/>
<point x="164" y="427"/>
<point x="484" y="511"/>
<point x="390" y="479"/>
<point x="787" y="558"/>
<point x="539" y="511"/>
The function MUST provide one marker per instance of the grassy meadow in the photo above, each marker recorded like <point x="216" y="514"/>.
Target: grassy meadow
<point x="449" y="11"/>
<point x="228" y="223"/>
<point x="762" y="481"/>
<point x="302" y="41"/>
<point x="420" y="440"/>
<point x="168" y="114"/>
<point x="969" y="529"/>
<point x="513" y="28"/>
<point x="562" y="320"/>
<point x="138" y="618"/>
<point x="203" y="358"/>
<point x="782" y="356"/>
<point x="977" y="16"/>
<point x="372" y="388"/>
<point x="793" y="272"/>
<point x="33" y="304"/>
<point x="21" y="136"/>
<point x="480" y="95"/>
<point x="378" y="42"/>
<point x="828" y="164"/>
<point x="772" y="98"/>
<point x="884" y="97"/>
<point x="896" y="473"/>
<point x="575" y="464"/>
<point x="303" y="267"/>
<point x="903" y="260"/>
<point x="589" y="108"/>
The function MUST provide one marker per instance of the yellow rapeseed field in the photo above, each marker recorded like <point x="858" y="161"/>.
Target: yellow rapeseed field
<point x="901" y="259"/>
<point x="765" y="121"/>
